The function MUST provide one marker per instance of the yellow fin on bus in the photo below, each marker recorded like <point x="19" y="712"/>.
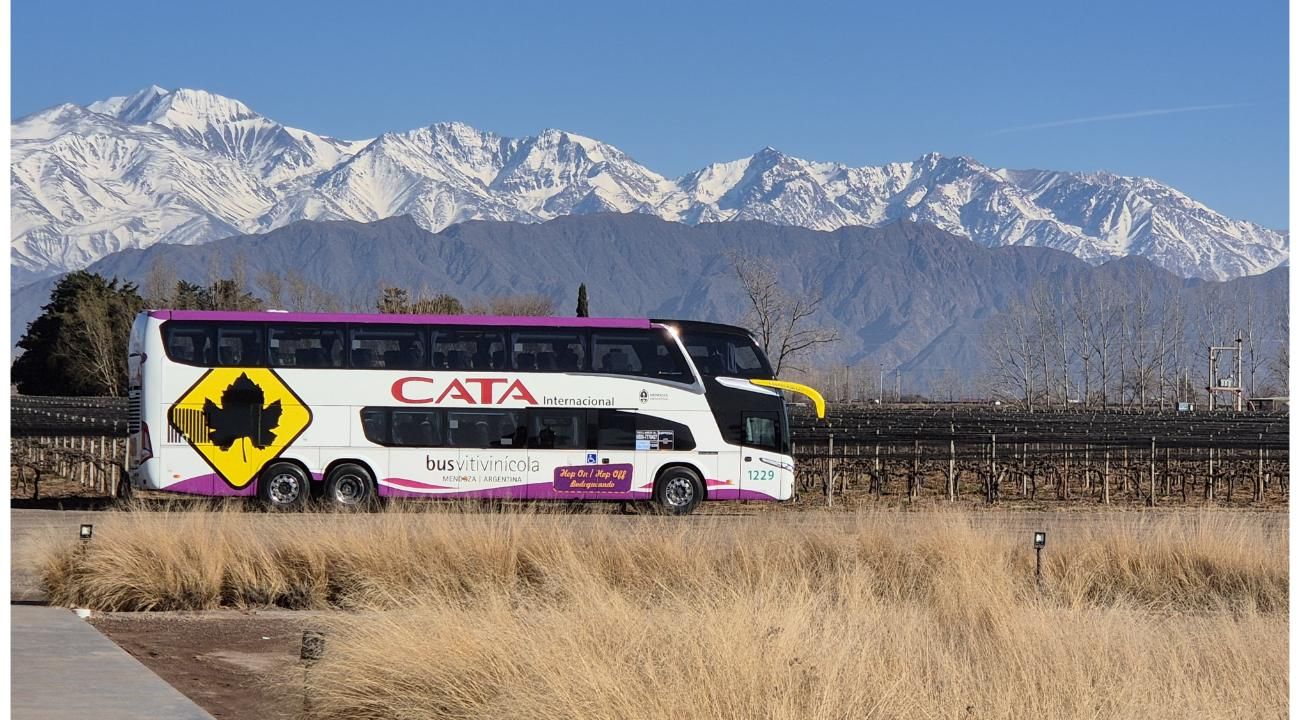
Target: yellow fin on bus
<point x="819" y="403"/>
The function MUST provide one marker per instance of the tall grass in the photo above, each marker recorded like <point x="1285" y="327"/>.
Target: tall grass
<point x="877" y="615"/>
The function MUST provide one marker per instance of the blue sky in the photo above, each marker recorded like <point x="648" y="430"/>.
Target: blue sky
<point x="1190" y="93"/>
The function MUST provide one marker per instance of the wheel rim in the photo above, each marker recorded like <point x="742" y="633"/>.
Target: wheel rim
<point x="284" y="488"/>
<point x="679" y="491"/>
<point x="349" y="490"/>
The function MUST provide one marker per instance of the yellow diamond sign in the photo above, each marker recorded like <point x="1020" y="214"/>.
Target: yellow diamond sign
<point x="239" y="419"/>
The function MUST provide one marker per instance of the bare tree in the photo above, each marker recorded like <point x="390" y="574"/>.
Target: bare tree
<point x="302" y="295"/>
<point x="521" y="305"/>
<point x="782" y="322"/>
<point x="1170" y="338"/>
<point x="1094" y="308"/>
<point x="1255" y="335"/>
<point x="1011" y="348"/>
<point x="1049" y="330"/>
<point x="1280" y="365"/>
<point x="439" y="304"/>
<point x="393" y="300"/>
<point x="272" y="286"/>
<point x="94" y="351"/>
<point x="159" y="285"/>
<point x="1144" y="353"/>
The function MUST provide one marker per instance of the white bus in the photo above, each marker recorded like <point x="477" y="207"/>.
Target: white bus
<point x="346" y="409"/>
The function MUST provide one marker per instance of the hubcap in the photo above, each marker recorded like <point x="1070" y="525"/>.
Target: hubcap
<point x="284" y="489"/>
<point x="349" y="490"/>
<point x="679" y="491"/>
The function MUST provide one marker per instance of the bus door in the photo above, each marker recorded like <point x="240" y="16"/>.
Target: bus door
<point x="613" y="466"/>
<point x="559" y="455"/>
<point x="760" y="469"/>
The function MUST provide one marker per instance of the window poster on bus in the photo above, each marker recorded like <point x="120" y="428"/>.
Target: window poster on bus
<point x="654" y="439"/>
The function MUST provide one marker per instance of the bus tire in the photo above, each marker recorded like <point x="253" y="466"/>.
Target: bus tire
<point x="349" y="486"/>
<point x="283" y="486"/>
<point x="678" y="490"/>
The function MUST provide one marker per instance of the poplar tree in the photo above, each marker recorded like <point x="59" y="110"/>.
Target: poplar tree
<point x="583" y="311"/>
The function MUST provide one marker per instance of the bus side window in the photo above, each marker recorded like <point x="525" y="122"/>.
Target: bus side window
<point x="394" y="348"/>
<point x="306" y="346"/>
<point x="557" y="429"/>
<point x="483" y="429"/>
<point x="417" y="428"/>
<point x="616" y="430"/>
<point x="469" y="349"/>
<point x="762" y="430"/>
<point x="374" y="423"/>
<point x="190" y="343"/>
<point x="646" y="353"/>
<point x="240" y="345"/>
<point x="548" y="350"/>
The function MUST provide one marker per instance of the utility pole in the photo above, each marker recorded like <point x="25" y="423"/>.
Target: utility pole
<point x="898" y="385"/>
<point x="880" y="399"/>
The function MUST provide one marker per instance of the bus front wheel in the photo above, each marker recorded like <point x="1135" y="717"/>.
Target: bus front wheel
<point x="678" y="490"/>
<point x="283" y="486"/>
<point x="349" y="486"/>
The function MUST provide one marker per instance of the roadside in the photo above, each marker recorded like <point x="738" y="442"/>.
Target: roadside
<point x="234" y="664"/>
<point x="63" y="668"/>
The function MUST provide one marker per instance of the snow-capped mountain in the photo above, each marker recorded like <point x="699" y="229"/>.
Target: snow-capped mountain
<point x="188" y="166"/>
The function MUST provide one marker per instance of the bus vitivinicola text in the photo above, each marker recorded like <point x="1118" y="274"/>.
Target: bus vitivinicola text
<point x="350" y="408"/>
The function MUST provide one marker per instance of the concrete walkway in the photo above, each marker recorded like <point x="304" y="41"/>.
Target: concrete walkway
<point x="62" y="667"/>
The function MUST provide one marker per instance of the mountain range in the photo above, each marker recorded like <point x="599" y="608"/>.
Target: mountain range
<point x="904" y="296"/>
<point x="189" y="167"/>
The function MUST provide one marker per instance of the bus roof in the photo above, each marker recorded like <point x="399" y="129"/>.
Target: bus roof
<point x="398" y="319"/>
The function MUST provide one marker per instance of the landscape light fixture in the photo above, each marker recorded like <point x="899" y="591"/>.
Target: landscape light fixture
<point x="1040" y="539"/>
<point x="87" y="530"/>
<point x="313" y="647"/>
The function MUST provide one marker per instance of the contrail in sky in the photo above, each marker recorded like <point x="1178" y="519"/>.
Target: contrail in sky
<point x="1120" y="116"/>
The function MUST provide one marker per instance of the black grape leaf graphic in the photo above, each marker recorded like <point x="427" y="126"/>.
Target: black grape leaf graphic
<point x="241" y="416"/>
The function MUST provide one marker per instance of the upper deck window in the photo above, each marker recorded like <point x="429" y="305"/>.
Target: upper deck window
<point x="240" y="345"/>
<point x="387" y="347"/>
<point x="726" y="354"/>
<point x="190" y="343"/>
<point x="646" y="353"/>
<point x="468" y="349"/>
<point x="306" y="346"/>
<point x="548" y="351"/>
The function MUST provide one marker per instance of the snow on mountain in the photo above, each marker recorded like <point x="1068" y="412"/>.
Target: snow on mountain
<point x="189" y="166"/>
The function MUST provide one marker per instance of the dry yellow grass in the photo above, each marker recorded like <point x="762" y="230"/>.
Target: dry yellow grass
<point x="497" y="615"/>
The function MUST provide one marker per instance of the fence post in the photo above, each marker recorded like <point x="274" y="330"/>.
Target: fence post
<point x="1152" y="502"/>
<point x="952" y="470"/>
<point x="1105" y="476"/>
<point x="830" y="469"/>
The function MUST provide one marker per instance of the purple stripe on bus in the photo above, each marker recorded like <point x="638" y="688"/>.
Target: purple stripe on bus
<point x="210" y="484"/>
<point x="394" y="319"/>
<point x="737" y="494"/>
<point x="546" y="491"/>
<point x="416" y="484"/>
<point x="530" y="491"/>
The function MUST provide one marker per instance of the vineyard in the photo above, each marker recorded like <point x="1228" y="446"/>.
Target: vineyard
<point x="865" y="454"/>
<point x="1113" y="456"/>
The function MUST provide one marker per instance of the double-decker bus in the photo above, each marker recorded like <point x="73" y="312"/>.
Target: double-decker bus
<point x="350" y="408"/>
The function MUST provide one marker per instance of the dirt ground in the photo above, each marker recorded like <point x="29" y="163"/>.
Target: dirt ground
<point x="237" y="665"/>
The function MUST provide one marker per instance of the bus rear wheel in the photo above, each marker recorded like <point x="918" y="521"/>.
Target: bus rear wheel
<point x="678" y="491"/>
<point x="349" y="486"/>
<point x="283" y="486"/>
